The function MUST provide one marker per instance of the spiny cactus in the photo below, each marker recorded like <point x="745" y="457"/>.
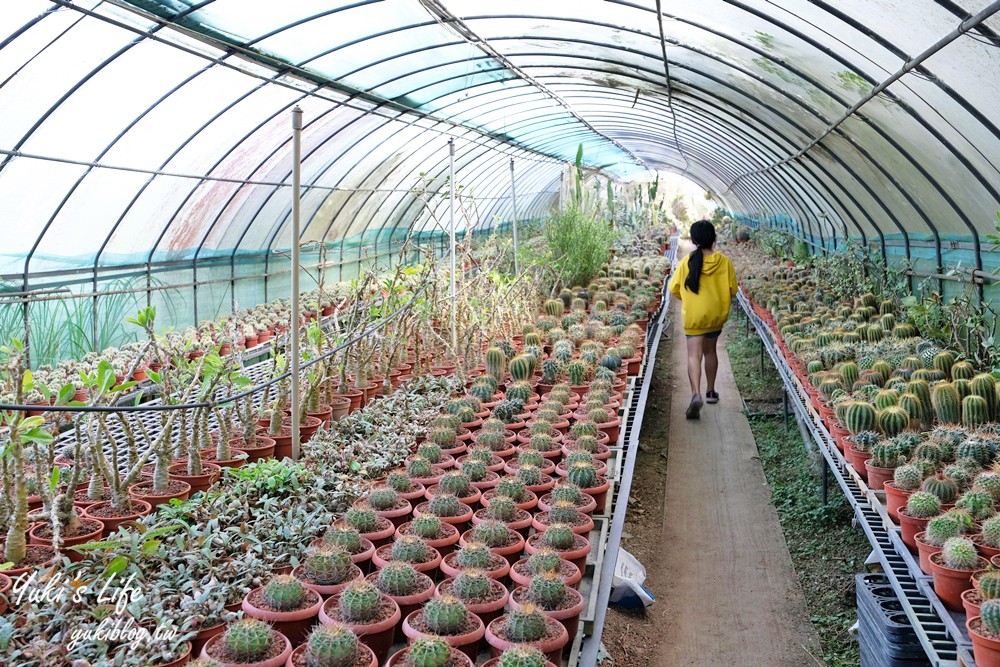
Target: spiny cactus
<point x="492" y="533"/>
<point x="410" y="549"/>
<point x="474" y="555"/>
<point x="430" y="451"/>
<point x="496" y="363"/>
<point x="512" y="487"/>
<point x="886" y="398"/>
<point x="439" y="438"/>
<point x="587" y="443"/>
<point x="493" y="440"/>
<point x="941" y="486"/>
<point x="928" y="451"/>
<point x="541" y="427"/>
<point x="922" y="505"/>
<point x="584" y="427"/>
<point x="333" y="645"/>
<point x="327" y="566"/>
<point x="544" y="560"/>
<point x="974" y="411"/>
<point x="398" y="578"/>
<point x="554" y="308"/>
<point x="519" y="391"/>
<point x="561" y="537"/>
<point x="583" y="474"/>
<point x="466" y="414"/>
<point x="978" y="505"/>
<point x="525" y="625"/>
<point x="548" y="590"/>
<point x="563" y="511"/>
<point x="476" y="470"/>
<point x="522" y="367"/>
<point x="885" y="455"/>
<point x="530" y="475"/>
<point x="859" y="416"/>
<point x="502" y="508"/>
<point x="988" y="482"/>
<point x="959" y="553"/>
<point x="446" y="505"/>
<point x="567" y="491"/>
<point x="383" y="498"/>
<point x="428" y="652"/>
<point x="522" y="656"/>
<point x="530" y="457"/>
<point x="343" y="537"/>
<point x="941" y="528"/>
<point x="360" y="601"/>
<point x="989" y="585"/>
<point x="991" y="532"/>
<point x="577" y="372"/>
<point x="943" y="361"/>
<point x="922" y="390"/>
<point x="426" y="526"/>
<point x="455" y="482"/>
<point x="399" y="480"/>
<point x="478" y="453"/>
<point x="420" y="467"/>
<point x="445" y="615"/>
<point x="974" y="448"/>
<point x="472" y="585"/>
<point x="248" y="640"/>
<point x="363" y="519"/>
<point x="492" y="425"/>
<point x="947" y="403"/>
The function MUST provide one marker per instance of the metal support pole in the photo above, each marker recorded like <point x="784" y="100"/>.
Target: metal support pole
<point x="451" y="216"/>
<point x="784" y="407"/>
<point x="825" y="474"/>
<point x="762" y="356"/>
<point x="293" y="329"/>
<point x="513" y="215"/>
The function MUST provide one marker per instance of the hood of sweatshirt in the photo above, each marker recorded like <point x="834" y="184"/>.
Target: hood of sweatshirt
<point x="711" y="263"/>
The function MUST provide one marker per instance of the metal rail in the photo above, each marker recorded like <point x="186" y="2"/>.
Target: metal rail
<point x="938" y="637"/>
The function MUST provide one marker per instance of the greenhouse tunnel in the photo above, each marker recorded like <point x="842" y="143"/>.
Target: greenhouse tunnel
<point x="147" y="143"/>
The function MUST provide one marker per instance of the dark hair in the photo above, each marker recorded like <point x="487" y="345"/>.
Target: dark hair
<point x="703" y="236"/>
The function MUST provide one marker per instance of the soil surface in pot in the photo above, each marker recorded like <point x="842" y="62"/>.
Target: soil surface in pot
<point x="566" y="569"/>
<point x="361" y="659"/>
<point x="109" y="512"/>
<point x="87" y="526"/>
<point x="146" y="488"/>
<point x="497" y="591"/>
<point x="386" y="609"/>
<point x="256" y="598"/>
<point x="520" y="595"/>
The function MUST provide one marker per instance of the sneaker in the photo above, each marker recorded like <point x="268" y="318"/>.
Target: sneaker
<point x="694" y="408"/>
<point x="712" y="397"/>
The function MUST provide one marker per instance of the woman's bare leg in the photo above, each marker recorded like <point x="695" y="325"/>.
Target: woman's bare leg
<point x="711" y="362"/>
<point x="694" y="357"/>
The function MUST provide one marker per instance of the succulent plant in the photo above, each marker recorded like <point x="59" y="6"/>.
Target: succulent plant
<point x="428" y="652"/>
<point x="991" y="532"/>
<point x="859" y="416"/>
<point x="922" y="505"/>
<point x="942" y="528"/>
<point x="561" y="536"/>
<point x="564" y="511"/>
<point x="327" y="566"/>
<point x="544" y="560"/>
<point x="419" y="467"/>
<point x="512" y="487"/>
<point x="248" y="640"/>
<point x="979" y="505"/>
<point x="525" y="625"/>
<point x="941" y="486"/>
<point x="360" y="601"/>
<point x="478" y="454"/>
<point x="531" y="457"/>
<point x="399" y="480"/>
<point x="522" y="656"/>
<point x="947" y="403"/>
<point x="398" y="578"/>
<point x="284" y="593"/>
<point x="547" y="590"/>
<point x="426" y="526"/>
<point x="430" y="451"/>
<point x="362" y="519"/>
<point x="989" y="585"/>
<point x="566" y="491"/>
<point x="583" y="474"/>
<point x="492" y="533"/>
<point x="587" y="443"/>
<point x="333" y="645"/>
<point x="988" y="482"/>
<point x="959" y="553"/>
<point x="455" y="482"/>
<point x="502" y="508"/>
<point x="445" y="505"/>
<point x="493" y="425"/>
<point x="474" y="555"/>
<point x="445" y="615"/>
<point x="383" y="498"/>
<point x="530" y="475"/>
<point x="343" y="537"/>
<point x="493" y="440"/>
<point x="410" y="549"/>
<point x="584" y="427"/>
<point x="442" y="438"/>
<point x="472" y="585"/>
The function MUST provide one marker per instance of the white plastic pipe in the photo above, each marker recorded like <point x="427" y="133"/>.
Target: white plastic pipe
<point x="296" y="317"/>
<point x="513" y="206"/>
<point x="451" y="214"/>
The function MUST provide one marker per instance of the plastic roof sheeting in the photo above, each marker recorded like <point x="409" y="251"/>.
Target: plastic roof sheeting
<point x="752" y="99"/>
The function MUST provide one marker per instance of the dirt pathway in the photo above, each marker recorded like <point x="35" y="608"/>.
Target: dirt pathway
<point x="726" y="590"/>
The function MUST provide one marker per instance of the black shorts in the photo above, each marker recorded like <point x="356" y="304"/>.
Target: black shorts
<point x="711" y="335"/>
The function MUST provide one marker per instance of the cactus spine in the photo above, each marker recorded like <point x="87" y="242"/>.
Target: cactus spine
<point x="947" y="404"/>
<point x="496" y="363"/>
<point x="941" y="486"/>
<point x="331" y="646"/>
<point x="893" y="420"/>
<point x="959" y="553"/>
<point x="859" y="416"/>
<point x="974" y="411"/>
<point x="985" y="386"/>
<point x="248" y="640"/>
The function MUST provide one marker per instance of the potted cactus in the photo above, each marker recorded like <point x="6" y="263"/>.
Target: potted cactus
<point x="423" y="471"/>
<point x="438" y="534"/>
<point x="985" y="586"/>
<point x="881" y="467"/>
<point x="448" y="618"/>
<point x="447" y="507"/>
<point x="327" y="570"/>
<point x="332" y="645"/>
<point x="429" y="652"/>
<point x="567" y="490"/>
<point x="458" y="484"/>
<point x="478" y="556"/>
<point x="498" y="536"/>
<point x="939" y="530"/>
<point x="905" y="480"/>
<point x="343" y="537"/>
<point x="408" y="588"/>
<point x="368" y="612"/>
<point x="527" y="626"/>
<point x="988" y="539"/>
<point x="248" y="642"/>
<point x="512" y="487"/>
<point x="544" y="561"/>
<point x="409" y="549"/>
<point x="585" y="476"/>
<point x="984" y="631"/>
<point x="550" y="593"/>
<point x="369" y="524"/>
<point x="519" y="656"/>
<point x="952" y="569"/>
<point x="563" y="540"/>
<point x="404" y="485"/>
<point x="286" y="604"/>
<point x="388" y="504"/>
<point x="480" y="476"/>
<point x="563" y="511"/>
<point x="913" y="518"/>
<point x="506" y="510"/>
<point x="482" y="595"/>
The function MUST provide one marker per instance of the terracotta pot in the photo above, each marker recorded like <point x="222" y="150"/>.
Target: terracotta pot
<point x="512" y="552"/>
<point x="527" y="503"/>
<point x="143" y="491"/>
<point x="111" y="524"/>
<point x="494" y="662"/>
<point x="461" y="522"/>
<point x="326" y="590"/>
<point x="262" y="449"/>
<point x="926" y="551"/>
<point x="877" y="477"/>
<point x="45" y="550"/>
<point x="587" y="504"/>
<point x="416" y="493"/>
<point x="540" y="524"/>
<point x="985" y="650"/>
<point x="444" y="545"/>
<point x="471" y="499"/>
<point x="295" y="625"/>
<point x="570" y="617"/>
<point x="340" y="406"/>
<point x="324" y="414"/>
<point x="486" y="611"/>
<point x="5" y="585"/>
<point x="68" y="542"/>
<point x="538" y="489"/>
<point x="949" y="584"/>
<point x="520" y="576"/>
<point x="377" y="636"/>
<point x="984" y="550"/>
<point x="600" y="494"/>
<point x="522" y="524"/>
<point x="199" y="641"/>
<point x="407" y="603"/>
<point x="895" y="499"/>
<point x="857" y="460"/>
<point x="552" y="648"/>
<point x="372" y="661"/>
<point x="398" y="659"/>
<point x="208" y="455"/>
<point x="970" y="602"/>
<point x="467" y="643"/>
<point x="380" y="537"/>
<point x="210" y="473"/>
<point x="577" y="556"/>
<point x="910" y="526"/>
<point x="362" y="559"/>
<point x="276" y="661"/>
<point x="450" y="569"/>
<point x="396" y="516"/>
<point x="383" y="556"/>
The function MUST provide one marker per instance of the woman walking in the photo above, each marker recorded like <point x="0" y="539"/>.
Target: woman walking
<point x="705" y="282"/>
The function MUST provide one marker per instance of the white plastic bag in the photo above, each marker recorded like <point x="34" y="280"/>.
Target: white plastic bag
<point x="626" y="587"/>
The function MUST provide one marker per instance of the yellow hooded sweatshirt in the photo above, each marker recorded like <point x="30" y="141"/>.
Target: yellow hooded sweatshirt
<point x="707" y="310"/>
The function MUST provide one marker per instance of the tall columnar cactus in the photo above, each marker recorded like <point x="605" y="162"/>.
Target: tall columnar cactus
<point x="522" y="367"/>
<point x="248" y="640"/>
<point x="555" y="308"/>
<point x="893" y="420"/>
<point x="974" y="411"/>
<point x="911" y="403"/>
<point x="947" y="404"/>
<point x="360" y="601"/>
<point x="496" y="363"/>
<point x="922" y="390"/>
<point x="577" y="372"/>
<point x="959" y="553"/>
<point x="859" y="416"/>
<point x="849" y="370"/>
<point x="428" y="652"/>
<point x="962" y="370"/>
<point x="944" y="488"/>
<point x="884" y="369"/>
<point x="333" y="645"/>
<point x="985" y="386"/>
<point x="923" y="505"/>
<point x="445" y="615"/>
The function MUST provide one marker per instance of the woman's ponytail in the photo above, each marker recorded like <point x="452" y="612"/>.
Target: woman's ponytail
<point x="703" y="237"/>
